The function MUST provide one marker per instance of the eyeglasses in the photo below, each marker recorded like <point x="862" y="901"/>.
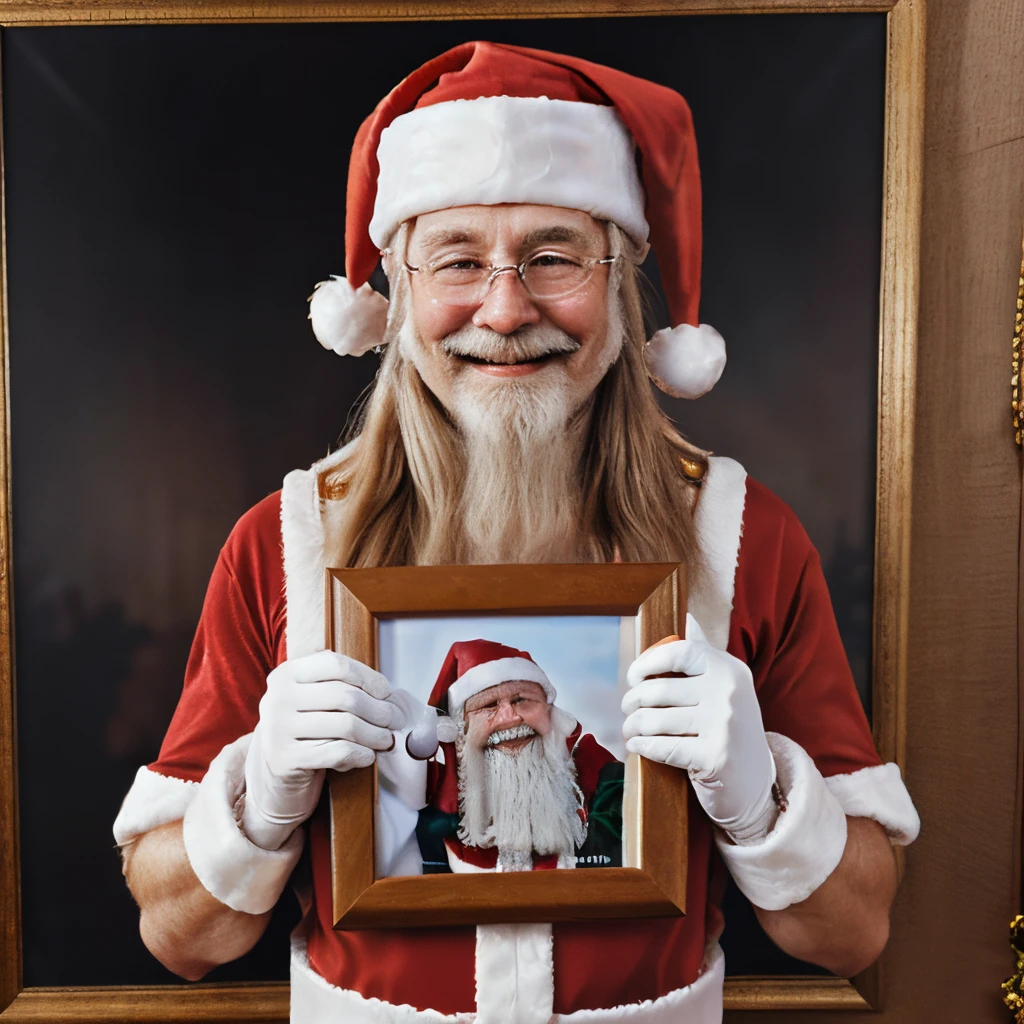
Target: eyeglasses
<point x="464" y="280"/>
<point x="517" y="702"/>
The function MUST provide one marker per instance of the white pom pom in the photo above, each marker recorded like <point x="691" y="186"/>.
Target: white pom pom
<point x="686" y="361"/>
<point x="447" y="729"/>
<point x="348" y="320"/>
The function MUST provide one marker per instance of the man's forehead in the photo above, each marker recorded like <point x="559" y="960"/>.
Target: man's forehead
<point x="518" y="224"/>
<point x="522" y="687"/>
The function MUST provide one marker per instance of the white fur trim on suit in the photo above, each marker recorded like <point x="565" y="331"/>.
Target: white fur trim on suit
<point x="508" y="149"/>
<point x="719" y="526"/>
<point x="153" y="800"/>
<point x="490" y="673"/>
<point x="515" y="967"/>
<point x="515" y="981"/>
<point x="240" y="874"/>
<point x="316" y="1001"/>
<point x="302" y="537"/>
<point x="685" y="361"/>
<point x="806" y="843"/>
<point x="878" y="793"/>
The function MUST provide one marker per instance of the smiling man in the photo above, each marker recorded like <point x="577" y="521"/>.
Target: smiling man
<point x="510" y="196"/>
<point x="525" y="776"/>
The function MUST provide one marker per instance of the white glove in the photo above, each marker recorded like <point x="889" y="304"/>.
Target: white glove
<point x="320" y="711"/>
<point x="708" y="723"/>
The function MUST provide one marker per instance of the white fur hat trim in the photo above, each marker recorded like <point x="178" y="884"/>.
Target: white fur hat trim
<point x="508" y="149"/>
<point x="347" y="320"/>
<point x="686" y="361"/>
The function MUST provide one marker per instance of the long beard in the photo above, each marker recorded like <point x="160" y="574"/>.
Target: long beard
<point x="523" y="803"/>
<point x="521" y="444"/>
<point x="521" y="498"/>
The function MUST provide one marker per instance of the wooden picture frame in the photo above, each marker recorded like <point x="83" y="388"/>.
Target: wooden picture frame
<point x="655" y="825"/>
<point x="898" y="369"/>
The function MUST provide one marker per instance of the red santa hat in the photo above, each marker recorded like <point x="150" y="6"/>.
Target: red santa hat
<point x="488" y="123"/>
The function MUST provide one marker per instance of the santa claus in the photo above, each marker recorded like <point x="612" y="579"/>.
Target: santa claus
<point x="510" y="196"/>
<point x="516" y="785"/>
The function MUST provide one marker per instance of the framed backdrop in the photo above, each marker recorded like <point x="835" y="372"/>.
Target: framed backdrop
<point x="172" y="191"/>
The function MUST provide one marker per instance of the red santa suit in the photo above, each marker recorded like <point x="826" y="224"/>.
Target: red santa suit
<point x="762" y="597"/>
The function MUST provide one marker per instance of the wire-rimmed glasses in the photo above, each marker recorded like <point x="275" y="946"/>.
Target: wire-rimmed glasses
<point x="464" y="281"/>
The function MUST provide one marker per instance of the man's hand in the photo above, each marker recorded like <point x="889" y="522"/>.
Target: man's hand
<point x="320" y="711"/>
<point x="708" y="723"/>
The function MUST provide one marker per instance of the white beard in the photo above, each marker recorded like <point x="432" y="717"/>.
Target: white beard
<point x="521" y="498"/>
<point x="522" y="494"/>
<point x="522" y="802"/>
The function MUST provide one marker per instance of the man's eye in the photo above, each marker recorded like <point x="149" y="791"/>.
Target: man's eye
<point x="553" y="259"/>
<point x="455" y="267"/>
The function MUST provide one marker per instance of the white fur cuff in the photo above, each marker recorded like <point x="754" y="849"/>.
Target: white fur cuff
<point x="806" y="844"/>
<point x="878" y="793"/>
<point x="240" y="874"/>
<point x="153" y="800"/>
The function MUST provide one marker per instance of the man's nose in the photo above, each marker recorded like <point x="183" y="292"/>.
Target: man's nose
<point x="507" y="306"/>
<point x="506" y="716"/>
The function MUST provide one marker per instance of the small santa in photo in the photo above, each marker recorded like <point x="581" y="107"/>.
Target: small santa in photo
<point x="520" y="786"/>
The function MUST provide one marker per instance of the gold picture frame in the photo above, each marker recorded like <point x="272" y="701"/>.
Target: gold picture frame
<point x="898" y="331"/>
<point x="655" y="824"/>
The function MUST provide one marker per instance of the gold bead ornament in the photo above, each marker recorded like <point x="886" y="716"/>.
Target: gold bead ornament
<point x="693" y="471"/>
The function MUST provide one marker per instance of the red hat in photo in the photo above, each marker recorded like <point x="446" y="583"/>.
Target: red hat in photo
<point x="488" y="123"/>
<point x="473" y="666"/>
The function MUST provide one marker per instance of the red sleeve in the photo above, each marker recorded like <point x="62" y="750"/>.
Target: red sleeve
<point x="784" y="628"/>
<point x="240" y="638"/>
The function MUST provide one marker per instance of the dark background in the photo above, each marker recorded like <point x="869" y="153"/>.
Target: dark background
<point x="172" y="195"/>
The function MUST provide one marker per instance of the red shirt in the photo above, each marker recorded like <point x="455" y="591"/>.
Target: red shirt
<point x="782" y="626"/>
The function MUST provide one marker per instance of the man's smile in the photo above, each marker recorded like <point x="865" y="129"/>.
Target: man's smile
<point x="512" y="367"/>
<point x="512" y="739"/>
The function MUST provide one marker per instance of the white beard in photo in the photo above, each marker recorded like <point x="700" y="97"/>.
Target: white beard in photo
<point x="522" y="802"/>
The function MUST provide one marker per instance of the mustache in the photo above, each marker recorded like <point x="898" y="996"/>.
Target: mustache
<point x="527" y="344"/>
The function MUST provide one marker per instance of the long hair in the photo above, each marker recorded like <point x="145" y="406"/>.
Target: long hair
<point x="402" y="481"/>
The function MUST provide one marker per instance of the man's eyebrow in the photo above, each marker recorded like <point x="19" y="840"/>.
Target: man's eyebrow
<point x="437" y="237"/>
<point x="557" y="233"/>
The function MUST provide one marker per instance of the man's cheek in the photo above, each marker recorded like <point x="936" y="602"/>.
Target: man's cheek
<point x="434" y="320"/>
<point x="541" y="722"/>
<point x="583" y="315"/>
<point x="477" y="732"/>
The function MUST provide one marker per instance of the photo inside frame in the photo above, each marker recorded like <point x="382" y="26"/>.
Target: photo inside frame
<point x="531" y="768"/>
